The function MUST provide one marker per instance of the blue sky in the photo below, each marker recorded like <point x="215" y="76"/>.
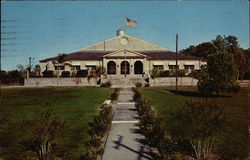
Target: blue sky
<point x="44" y="29"/>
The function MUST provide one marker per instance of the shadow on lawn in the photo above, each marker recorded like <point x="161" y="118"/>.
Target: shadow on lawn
<point x="195" y="94"/>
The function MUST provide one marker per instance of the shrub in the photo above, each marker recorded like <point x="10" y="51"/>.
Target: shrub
<point x="137" y="95"/>
<point x="48" y="73"/>
<point x="235" y="87"/>
<point x="138" y="84"/>
<point x="98" y="128"/>
<point x="107" y="84"/>
<point x="201" y="123"/>
<point x="114" y="95"/>
<point x="195" y="74"/>
<point x="181" y="73"/>
<point x="45" y="131"/>
<point x="147" y="85"/>
<point x="165" y="73"/>
<point x="65" y="74"/>
<point x="82" y="73"/>
<point x="101" y="122"/>
<point x="153" y="128"/>
<point x="89" y="155"/>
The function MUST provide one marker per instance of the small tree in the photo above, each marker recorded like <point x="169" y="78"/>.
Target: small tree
<point x="155" y="73"/>
<point x="201" y="123"/>
<point x="60" y="59"/>
<point x="46" y="130"/>
<point x="38" y="70"/>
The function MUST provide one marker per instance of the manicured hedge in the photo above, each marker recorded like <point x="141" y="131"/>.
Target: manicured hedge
<point x="48" y="73"/>
<point x="65" y="74"/>
<point x="82" y="73"/>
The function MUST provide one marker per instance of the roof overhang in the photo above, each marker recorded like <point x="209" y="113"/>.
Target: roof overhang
<point x="91" y="63"/>
<point x="158" y="63"/>
<point x="172" y="63"/>
<point x="189" y="63"/>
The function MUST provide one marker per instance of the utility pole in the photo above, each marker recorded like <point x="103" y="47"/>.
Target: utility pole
<point x="29" y="64"/>
<point x="29" y="68"/>
<point x="176" y="65"/>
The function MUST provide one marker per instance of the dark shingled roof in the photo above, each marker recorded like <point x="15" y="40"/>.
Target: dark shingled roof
<point x="152" y="55"/>
<point x="168" y="55"/>
<point x="82" y="55"/>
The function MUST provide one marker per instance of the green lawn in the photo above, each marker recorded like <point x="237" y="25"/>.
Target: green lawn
<point x="233" y="141"/>
<point x="77" y="105"/>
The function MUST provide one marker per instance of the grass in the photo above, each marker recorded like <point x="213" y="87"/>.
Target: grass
<point x="232" y="143"/>
<point x="77" y="105"/>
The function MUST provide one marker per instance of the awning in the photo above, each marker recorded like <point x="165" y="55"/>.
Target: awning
<point x="188" y="63"/>
<point x="157" y="63"/>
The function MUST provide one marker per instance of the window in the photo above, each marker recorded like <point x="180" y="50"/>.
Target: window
<point x="189" y="66"/>
<point x="75" y="68"/>
<point x="173" y="66"/>
<point x="91" y="67"/>
<point x="59" y="67"/>
<point x="160" y="67"/>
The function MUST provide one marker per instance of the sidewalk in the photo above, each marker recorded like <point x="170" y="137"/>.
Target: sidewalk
<point x="124" y="140"/>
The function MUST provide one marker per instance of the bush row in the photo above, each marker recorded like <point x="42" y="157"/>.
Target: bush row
<point x="12" y="77"/>
<point x="172" y="73"/>
<point x="79" y="73"/>
<point x="114" y="95"/>
<point x="99" y="127"/>
<point x="106" y="84"/>
<point x="153" y="128"/>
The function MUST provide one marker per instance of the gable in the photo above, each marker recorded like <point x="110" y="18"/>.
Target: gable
<point x="124" y="53"/>
<point x="132" y="43"/>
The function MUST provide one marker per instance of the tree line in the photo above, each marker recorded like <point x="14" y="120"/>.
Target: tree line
<point x="226" y="63"/>
<point x="238" y="57"/>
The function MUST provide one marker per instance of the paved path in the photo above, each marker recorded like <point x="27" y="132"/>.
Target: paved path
<point x="124" y="142"/>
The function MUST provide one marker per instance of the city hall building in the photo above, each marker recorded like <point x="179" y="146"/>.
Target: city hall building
<point x="124" y="55"/>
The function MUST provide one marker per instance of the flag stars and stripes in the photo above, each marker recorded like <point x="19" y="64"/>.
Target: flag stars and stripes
<point x="131" y="23"/>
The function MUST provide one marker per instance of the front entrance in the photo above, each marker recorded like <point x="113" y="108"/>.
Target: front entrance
<point x="111" y="67"/>
<point x="138" y="67"/>
<point x="125" y="67"/>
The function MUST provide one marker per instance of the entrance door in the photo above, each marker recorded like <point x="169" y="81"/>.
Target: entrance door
<point x="138" y="67"/>
<point x="111" y="67"/>
<point x="125" y="67"/>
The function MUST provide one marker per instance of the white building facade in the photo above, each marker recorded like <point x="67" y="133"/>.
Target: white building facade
<point x="124" y="55"/>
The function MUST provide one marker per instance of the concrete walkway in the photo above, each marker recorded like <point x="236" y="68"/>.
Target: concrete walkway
<point x="124" y="140"/>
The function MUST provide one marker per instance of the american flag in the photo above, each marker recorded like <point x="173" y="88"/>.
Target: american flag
<point x="130" y="23"/>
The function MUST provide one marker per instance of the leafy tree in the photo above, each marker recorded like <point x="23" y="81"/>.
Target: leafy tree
<point x="202" y="50"/>
<point x="221" y="73"/>
<point x="205" y="84"/>
<point x="155" y="73"/>
<point x="240" y="57"/>
<point x="38" y="70"/>
<point x="61" y="58"/>
<point x="247" y="73"/>
<point x="222" y="70"/>
<point x="228" y="43"/>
